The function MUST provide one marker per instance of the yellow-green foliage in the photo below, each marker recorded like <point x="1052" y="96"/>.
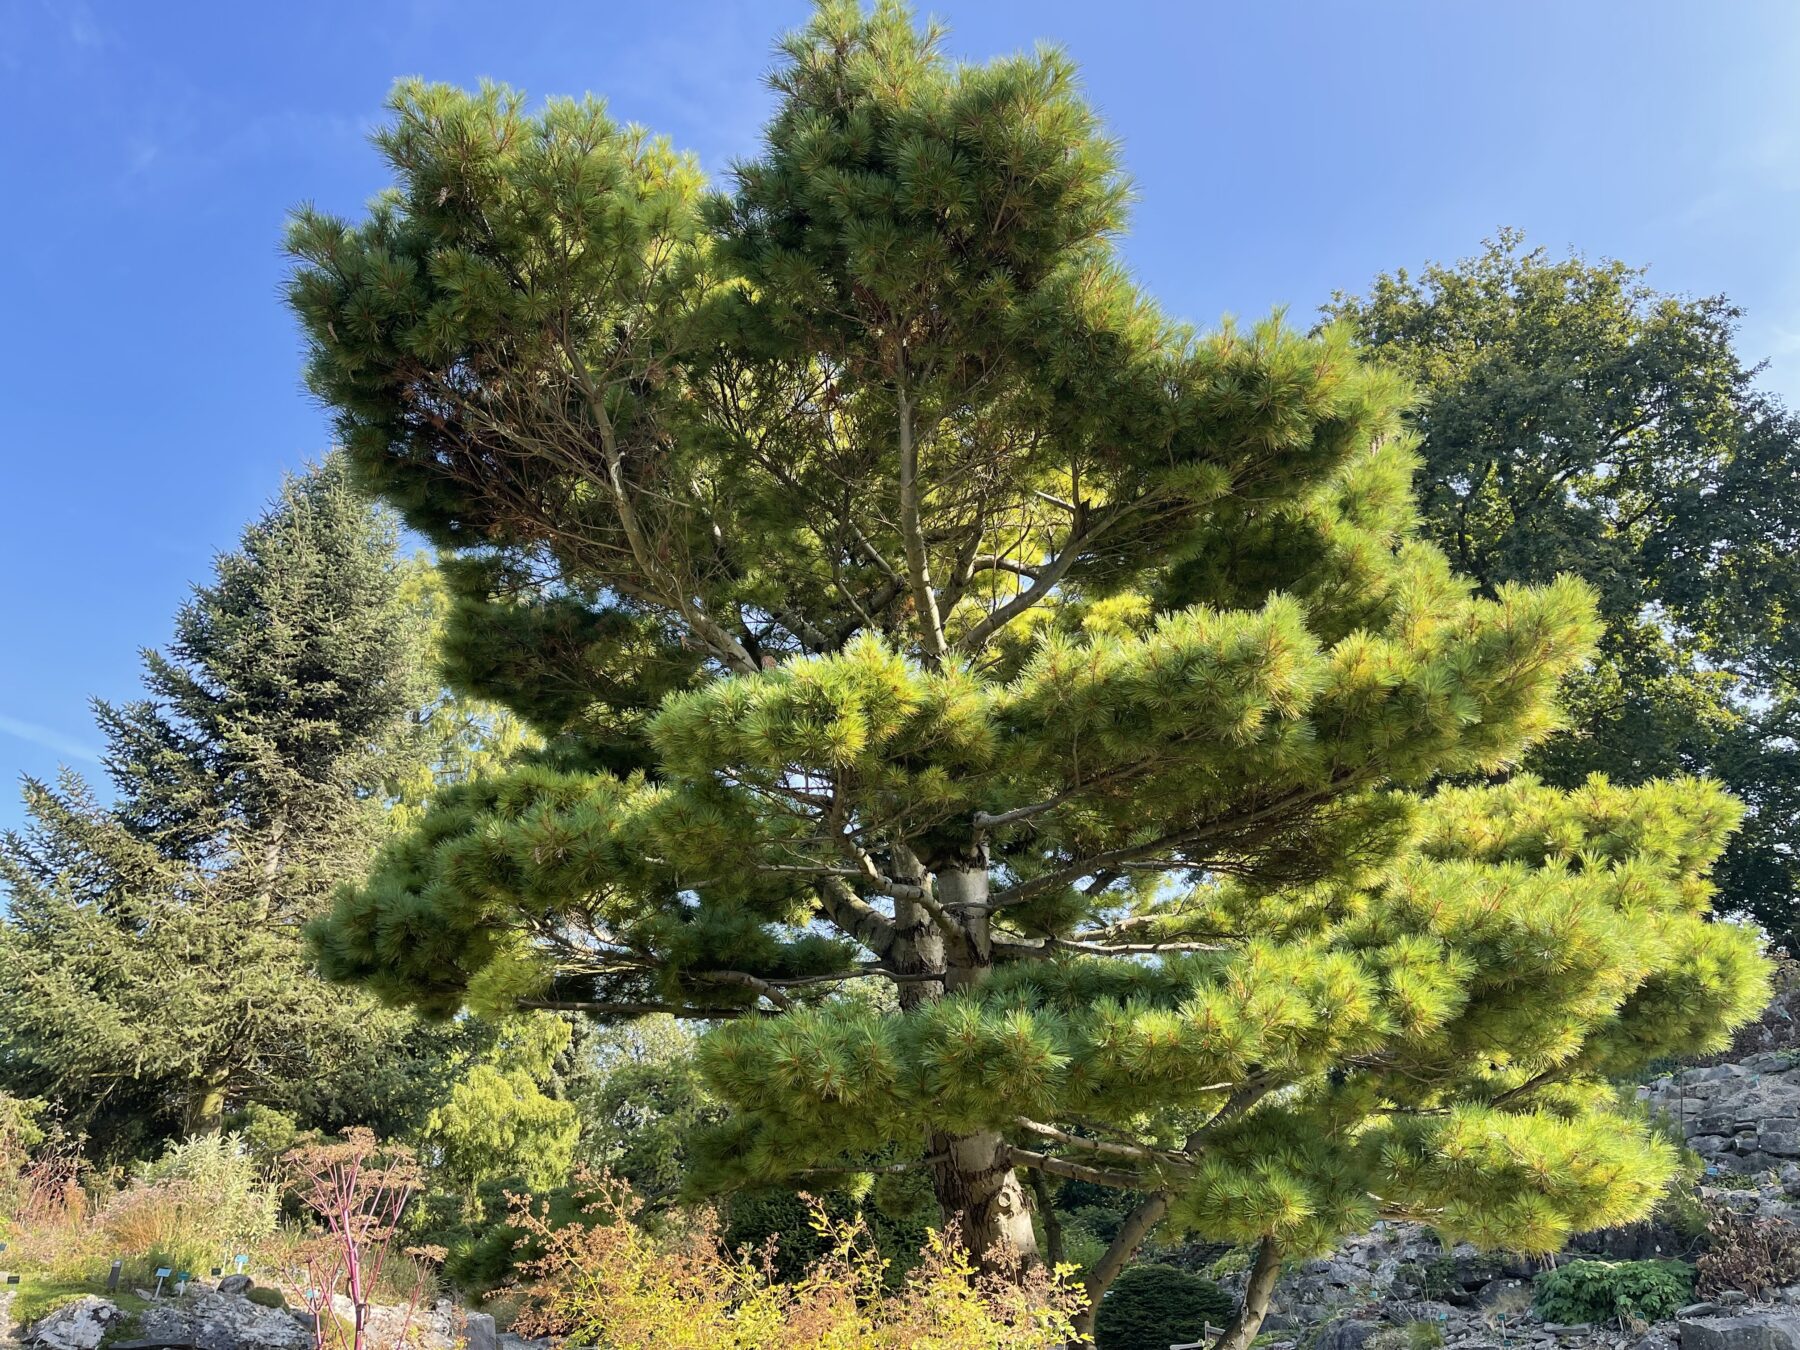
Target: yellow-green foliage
<point x="498" y="1122"/>
<point x="615" y="1284"/>
<point x="198" y="1205"/>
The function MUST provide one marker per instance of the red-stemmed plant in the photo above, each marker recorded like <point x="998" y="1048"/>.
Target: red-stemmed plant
<point x="357" y="1189"/>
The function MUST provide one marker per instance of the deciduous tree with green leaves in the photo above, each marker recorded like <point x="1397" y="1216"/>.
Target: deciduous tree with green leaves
<point x="998" y="706"/>
<point x="1573" y="419"/>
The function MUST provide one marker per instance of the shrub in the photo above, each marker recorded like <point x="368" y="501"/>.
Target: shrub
<point x="358" y="1191"/>
<point x="780" y="1222"/>
<point x="615" y="1284"/>
<point x="47" y="1224"/>
<point x="1754" y="1255"/>
<point x="1608" y="1291"/>
<point x="265" y="1297"/>
<point x="484" y="1256"/>
<point x="1234" y="1262"/>
<point x="266" y="1134"/>
<point x="1151" y="1307"/>
<point x="200" y="1203"/>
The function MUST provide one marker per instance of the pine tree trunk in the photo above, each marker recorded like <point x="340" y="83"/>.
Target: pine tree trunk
<point x="1047" y="1215"/>
<point x="978" y="1190"/>
<point x="1257" y="1292"/>
<point x="975" y="1182"/>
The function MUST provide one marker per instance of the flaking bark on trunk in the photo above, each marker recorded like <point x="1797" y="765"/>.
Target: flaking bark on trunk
<point x="974" y="1178"/>
<point x="975" y="1186"/>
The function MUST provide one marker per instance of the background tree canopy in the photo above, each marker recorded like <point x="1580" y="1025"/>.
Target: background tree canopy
<point x="1575" y="420"/>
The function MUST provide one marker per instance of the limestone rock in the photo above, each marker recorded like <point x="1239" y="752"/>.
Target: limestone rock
<point x="214" y="1321"/>
<point x="1504" y="1290"/>
<point x="1348" y="1334"/>
<point x="1754" y="1331"/>
<point x="76" y="1326"/>
<point x="1742" y="1118"/>
<point x="433" y="1328"/>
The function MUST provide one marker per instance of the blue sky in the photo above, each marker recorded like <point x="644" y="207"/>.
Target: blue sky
<point x="150" y="377"/>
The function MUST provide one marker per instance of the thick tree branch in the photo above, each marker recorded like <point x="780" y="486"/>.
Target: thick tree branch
<point x="743" y="979"/>
<point x="1059" y="1167"/>
<point x="912" y="534"/>
<point x="1257" y="1292"/>
<point x="1049" y="574"/>
<point x="855" y="916"/>
<point x="1135" y="1152"/>
<point x="606" y="1009"/>
<point x="1137" y="1226"/>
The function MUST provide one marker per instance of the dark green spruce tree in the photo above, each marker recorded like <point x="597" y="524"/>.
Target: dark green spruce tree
<point x="150" y="957"/>
<point x="1575" y="420"/>
<point x="998" y="706"/>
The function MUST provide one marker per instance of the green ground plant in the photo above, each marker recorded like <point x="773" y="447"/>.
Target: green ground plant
<point x="1613" y="1291"/>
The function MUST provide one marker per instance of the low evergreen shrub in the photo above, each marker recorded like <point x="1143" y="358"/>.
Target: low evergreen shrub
<point x="1151" y="1307"/>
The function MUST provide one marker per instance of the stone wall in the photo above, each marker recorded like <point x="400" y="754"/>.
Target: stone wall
<point x="1742" y="1118"/>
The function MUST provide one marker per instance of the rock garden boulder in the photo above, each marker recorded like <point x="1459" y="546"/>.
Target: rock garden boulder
<point x="1753" y="1331"/>
<point x="213" y="1321"/>
<point x="79" y="1325"/>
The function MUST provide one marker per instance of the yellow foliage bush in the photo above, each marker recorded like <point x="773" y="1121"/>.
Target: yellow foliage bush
<point x="615" y="1285"/>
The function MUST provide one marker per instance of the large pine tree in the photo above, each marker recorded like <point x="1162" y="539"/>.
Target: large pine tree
<point x="993" y="701"/>
<point x="151" y="947"/>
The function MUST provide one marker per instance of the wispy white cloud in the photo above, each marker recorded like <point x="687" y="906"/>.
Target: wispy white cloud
<point x="83" y="28"/>
<point x="47" y="738"/>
